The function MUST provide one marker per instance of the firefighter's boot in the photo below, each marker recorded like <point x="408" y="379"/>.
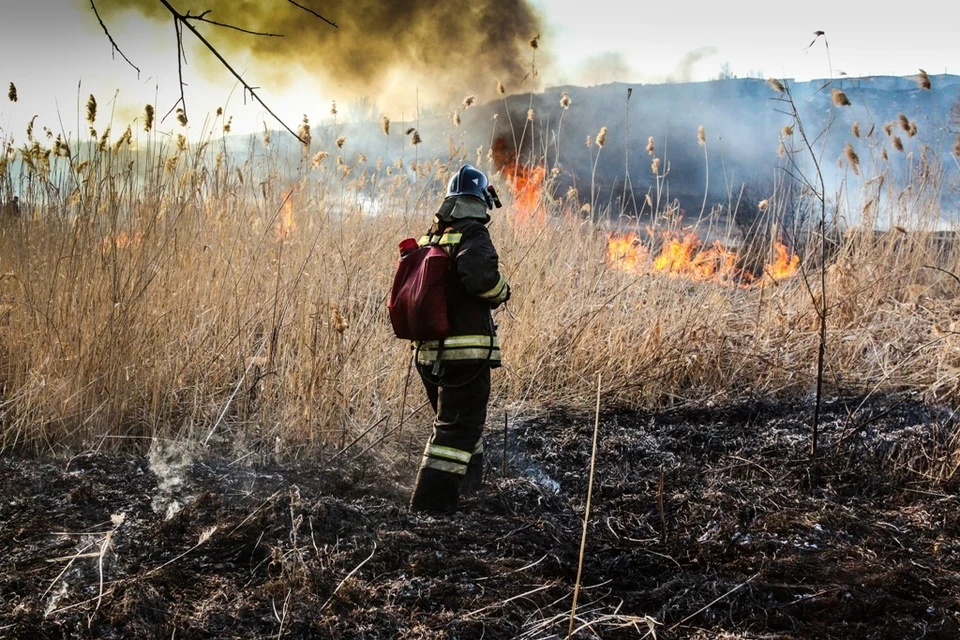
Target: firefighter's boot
<point x="473" y="479"/>
<point x="436" y="491"/>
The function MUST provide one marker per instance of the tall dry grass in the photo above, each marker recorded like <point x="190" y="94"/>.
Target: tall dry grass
<point x="155" y="289"/>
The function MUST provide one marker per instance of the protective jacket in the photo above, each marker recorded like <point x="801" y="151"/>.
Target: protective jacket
<point x="475" y="285"/>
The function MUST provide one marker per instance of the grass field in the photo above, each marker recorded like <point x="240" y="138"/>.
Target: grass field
<point x="155" y="288"/>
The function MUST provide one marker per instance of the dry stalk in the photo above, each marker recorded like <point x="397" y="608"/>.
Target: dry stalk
<point x="586" y="510"/>
<point x="348" y="576"/>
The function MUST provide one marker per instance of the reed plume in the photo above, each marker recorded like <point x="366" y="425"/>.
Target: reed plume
<point x="924" y="80"/>
<point x="787" y="130"/>
<point x="651" y="147"/>
<point x="333" y="107"/>
<point x="304" y="133"/>
<point x="91" y="109"/>
<point x="852" y="158"/>
<point x="385" y="125"/>
<point x="468" y="101"/>
<point x="855" y="129"/>
<point x="340" y="141"/>
<point x="565" y="100"/>
<point x="776" y="85"/>
<point x="148" y="114"/>
<point x="182" y="117"/>
<point x="12" y="92"/>
<point x="530" y="115"/>
<point x="500" y="90"/>
<point x="601" y="136"/>
<point x="701" y="136"/>
<point x="840" y="98"/>
<point x="898" y="143"/>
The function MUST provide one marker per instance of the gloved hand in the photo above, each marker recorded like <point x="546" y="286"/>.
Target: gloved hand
<point x="504" y="299"/>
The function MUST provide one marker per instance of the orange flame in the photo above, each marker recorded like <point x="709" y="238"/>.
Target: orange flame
<point x="526" y="183"/>
<point x="684" y="256"/>
<point x="286" y="224"/>
<point x="784" y="265"/>
<point x="625" y="252"/>
<point x="123" y="240"/>
<point x="527" y="187"/>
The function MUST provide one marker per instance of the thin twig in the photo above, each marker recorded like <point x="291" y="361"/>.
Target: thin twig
<point x="949" y="273"/>
<point x="110" y="38"/>
<point x="313" y="13"/>
<point x="202" y="18"/>
<point x="510" y="599"/>
<point x="347" y="577"/>
<point x="586" y="510"/>
<point x="715" y="601"/>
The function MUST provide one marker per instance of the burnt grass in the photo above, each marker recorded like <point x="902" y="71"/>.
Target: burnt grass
<point x="708" y="523"/>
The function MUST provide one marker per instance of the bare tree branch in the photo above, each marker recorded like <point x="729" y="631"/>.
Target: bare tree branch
<point x="181" y="55"/>
<point x="182" y="20"/>
<point x="313" y="13"/>
<point x="202" y="18"/>
<point x="110" y="38"/>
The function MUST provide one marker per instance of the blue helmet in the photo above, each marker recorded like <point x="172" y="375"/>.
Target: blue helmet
<point x="469" y="181"/>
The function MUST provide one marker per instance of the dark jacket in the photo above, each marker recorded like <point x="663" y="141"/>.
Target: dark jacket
<point x="475" y="287"/>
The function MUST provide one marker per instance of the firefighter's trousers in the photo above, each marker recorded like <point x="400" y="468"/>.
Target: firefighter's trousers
<point x="453" y="458"/>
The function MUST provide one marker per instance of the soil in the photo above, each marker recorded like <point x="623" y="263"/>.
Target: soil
<point x="708" y="523"/>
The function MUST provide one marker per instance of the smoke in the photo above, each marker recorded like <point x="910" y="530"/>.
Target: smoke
<point x="684" y="70"/>
<point x="604" y="68"/>
<point x="436" y="48"/>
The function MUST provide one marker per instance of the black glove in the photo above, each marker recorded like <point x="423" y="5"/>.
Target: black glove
<point x="505" y="298"/>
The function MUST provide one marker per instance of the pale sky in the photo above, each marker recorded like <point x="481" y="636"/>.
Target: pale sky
<point x="56" y="54"/>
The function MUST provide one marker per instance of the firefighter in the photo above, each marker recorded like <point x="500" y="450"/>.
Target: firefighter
<point x="456" y="370"/>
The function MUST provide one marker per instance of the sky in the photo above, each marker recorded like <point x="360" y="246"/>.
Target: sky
<point x="394" y="58"/>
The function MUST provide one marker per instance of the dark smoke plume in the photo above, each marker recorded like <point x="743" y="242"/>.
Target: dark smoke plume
<point x="445" y="48"/>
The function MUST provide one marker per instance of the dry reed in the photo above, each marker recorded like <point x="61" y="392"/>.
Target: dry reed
<point x="191" y="295"/>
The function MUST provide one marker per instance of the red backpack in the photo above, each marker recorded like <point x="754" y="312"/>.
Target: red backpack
<point x="418" y="298"/>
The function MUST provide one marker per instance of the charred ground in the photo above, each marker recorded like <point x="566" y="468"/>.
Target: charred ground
<point x="755" y="541"/>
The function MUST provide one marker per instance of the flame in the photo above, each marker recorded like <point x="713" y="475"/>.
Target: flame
<point x="784" y="265"/>
<point x="123" y="240"/>
<point x="527" y="187"/>
<point x="625" y="252"/>
<point x="685" y="256"/>
<point x="286" y="224"/>
<point x="526" y="183"/>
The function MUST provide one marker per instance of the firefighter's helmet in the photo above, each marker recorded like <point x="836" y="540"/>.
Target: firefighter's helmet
<point x="470" y="181"/>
